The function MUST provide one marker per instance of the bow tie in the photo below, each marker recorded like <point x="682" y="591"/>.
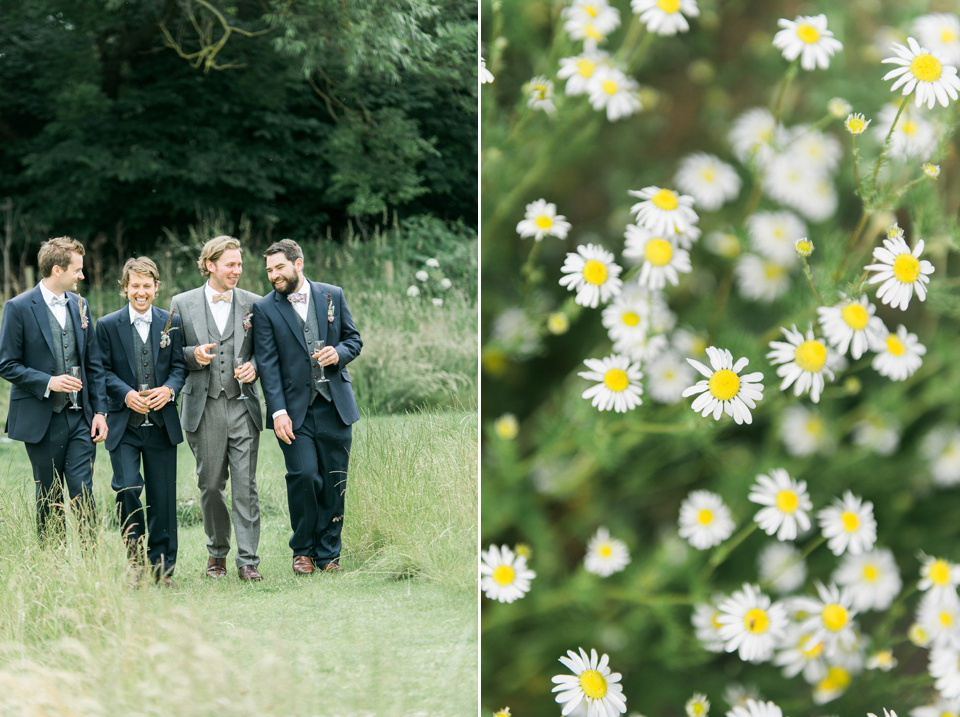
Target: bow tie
<point x="145" y="320"/>
<point x="225" y="296"/>
<point x="297" y="298"/>
<point x="59" y="301"/>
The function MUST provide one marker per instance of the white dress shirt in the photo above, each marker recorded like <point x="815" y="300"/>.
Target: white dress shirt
<point x="59" y="312"/>
<point x="221" y="309"/>
<point x="301" y="307"/>
<point x="142" y="328"/>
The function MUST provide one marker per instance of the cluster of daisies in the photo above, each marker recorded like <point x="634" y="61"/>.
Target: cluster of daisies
<point x="432" y="280"/>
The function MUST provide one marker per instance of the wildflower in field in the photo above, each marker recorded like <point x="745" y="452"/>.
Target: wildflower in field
<point x="641" y="348"/>
<point x="786" y="504"/>
<point x="882" y="660"/>
<point x="421" y="275"/>
<point x="851" y="324"/>
<point x="539" y="92"/>
<point x="780" y="565"/>
<point x="558" y="323"/>
<point x="697" y="706"/>
<point x="688" y="237"/>
<point x="432" y="263"/>
<point x="913" y="136"/>
<point x="834" y="684"/>
<point x="848" y="525"/>
<point x="879" y="432"/>
<point x="918" y="635"/>
<point x="505" y="576"/>
<point x="705" y="626"/>
<point x="939" y="576"/>
<point x="804" y="431"/>
<point x="709" y="180"/>
<point x="819" y="203"/>
<point x="751" y="624"/>
<point x="516" y="333"/>
<point x="592" y="682"/>
<point x="737" y="695"/>
<point x="795" y="183"/>
<point x="808" y="38"/>
<point x="940" y="708"/>
<point x="944" y="667"/>
<point x="667" y="377"/>
<point x="541" y="219"/>
<point x="663" y="211"/>
<point x="612" y="90"/>
<point x="941" y="33"/>
<point x="798" y="653"/>
<point x="939" y="615"/>
<point x="898" y="355"/>
<point x="704" y="520"/>
<point x="504" y="712"/>
<point x="618" y="386"/>
<point x="506" y="427"/>
<point x="872" y="578"/>
<point x="723" y="244"/>
<point x="579" y="70"/>
<point x="775" y="234"/>
<point x="724" y="390"/>
<point x="605" y="555"/>
<point x="839" y="107"/>
<point x="445" y="283"/>
<point x="931" y="170"/>
<point x="830" y="620"/>
<point x="941" y="449"/>
<point x="485" y="74"/>
<point x="523" y="549"/>
<point x="688" y="342"/>
<point x="804" y="247"/>
<point x="752" y="135"/>
<point x="901" y="271"/>
<point x="924" y="72"/>
<point x="856" y="124"/>
<point x="805" y="362"/>
<point x="413" y="291"/>
<point x="662" y="260"/>
<point x="820" y="151"/>
<point x="590" y="20"/>
<point x="592" y="273"/>
<point x="665" y="17"/>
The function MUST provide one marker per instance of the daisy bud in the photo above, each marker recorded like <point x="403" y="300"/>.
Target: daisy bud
<point x="558" y="323"/>
<point x="856" y="124"/>
<point x="931" y="170"/>
<point x="839" y="107"/>
<point x="804" y="246"/>
<point x="506" y="427"/>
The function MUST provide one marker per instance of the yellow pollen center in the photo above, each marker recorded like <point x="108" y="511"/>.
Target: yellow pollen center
<point x="856" y="125"/>
<point x="586" y="67"/>
<point x="665" y="199"/>
<point x="756" y="621"/>
<point x="926" y="68"/>
<point x="808" y="33"/>
<point x="592" y="32"/>
<point x="787" y="501"/>
<point x="834" y="617"/>
<point x="715" y="621"/>
<point x="543" y="222"/>
<point x="850" y="520"/>
<point x="855" y="316"/>
<point x="669" y="6"/>
<point x="610" y="87"/>
<point x="949" y="714"/>
<point x="593" y="684"/>
<point x="724" y="384"/>
<point x="705" y="516"/>
<point x="814" y="426"/>
<point x="947" y="36"/>
<point x="630" y="318"/>
<point x="772" y="270"/>
<point x="909" y="127"/>
<point x="698" y="709"/>
<point x="708" y="175"/>
<point x="946" y="619"/>
<point x="591" y="10"/>
<point x="812" y="653"/>
<point x="616" y="379"/>
<point x="940" y="572"/>
<point x="594" y="272"/>
<point x="870" y="573"/>
<point x="658" y="252"/>
<point x="540" y="92"/>
<point x="503" y="575"/>
<point x="895" y="346"/>
<point x="906" y="268"/>
<point x="811" y="356"/>
<point x="605" y="550"/>
<point x="837" y="679"/>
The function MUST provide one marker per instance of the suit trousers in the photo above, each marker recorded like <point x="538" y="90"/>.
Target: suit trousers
<point x="152" y="446"/>
<point x="228" y="438"/>
<point x="65" y="453"/>
<point x="316" y="465"/>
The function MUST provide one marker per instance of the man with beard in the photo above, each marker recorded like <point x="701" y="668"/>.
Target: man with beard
<point x="304" y="337"/>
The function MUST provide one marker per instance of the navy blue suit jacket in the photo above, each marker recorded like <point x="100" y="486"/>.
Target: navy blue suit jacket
<point x="284" y="362"/>
<point x="115" y="335"/>
<point x="28" y="362"/>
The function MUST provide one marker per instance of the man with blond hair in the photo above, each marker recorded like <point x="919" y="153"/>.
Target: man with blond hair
<point x="220" y="405"/>
<point x="49" y="353"/>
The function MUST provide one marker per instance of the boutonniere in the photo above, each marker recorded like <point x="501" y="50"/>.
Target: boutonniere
<point x="247" y="319"/>
<point x="165" y="334"/>
<point x="329" y="307"/>
<point x="84" y="321"/>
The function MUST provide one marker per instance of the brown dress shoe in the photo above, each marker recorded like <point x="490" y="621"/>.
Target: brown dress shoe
<point x="332" y="567"/>
<point x="216" y="567"/>
<point x="302" y="564"/>
<point x="249" y="572"/>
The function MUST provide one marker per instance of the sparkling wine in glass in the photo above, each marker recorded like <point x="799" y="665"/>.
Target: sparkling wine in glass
<point x="74" y="403"/>
<point x="237" y="364"/>
<point x="317" y="345"/>
<point x="144" y="390"/>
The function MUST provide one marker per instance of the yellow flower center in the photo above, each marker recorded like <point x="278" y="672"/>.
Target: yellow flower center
<point x="715" y="621"/>
<point x="658" y="252"/>
<point x="772" y="270"/>
<point x="814" y="426"/>
<point x="805" y="247"/>
<point x="503" y="575"/>
<point x="605" y="550"/>
<point x="811" y="356"/>
<point x="756" y="621"/>
<point x="705" y="516"/>
<point x="630" y="318"/>
<point x="543" y="222"/>
<point x="855" y="124"/>
<point x="724" y="384"/>
<point x="895" y="346"/>
<point x="909" y="127"/>
<point x="708" y="175"/>
<point x="593" y="684"/>
<point x="870" y="573"/>
<point x="926" y="67"/>
<point x="834" y="617"/>
<point x="808" y="33"/>
<point x="594" y="272"/>
<point x="787" y="501"/>
<point x="591" y="10"/>
<point x="669" y="6"/>
<point x="855" y="316"/>
<point x="586" y="67"/>
<point x="616" y="379"/>
<point x="610" y="87"/>
<point x="665" y="199"/>
<point x="940" y="572"/>
<point x="698" y="709"/>
<point x="906" y="268"/>
<point x="947" y="36"/>
<point x="812" y="653"/>
<point x="949" y="714"/>
<point x="946" y="619"/>
<point x="850" y="520"/>
<point x="592" y="32"/>
<point x="540" y="92"/>
<point x="837" y="679"/>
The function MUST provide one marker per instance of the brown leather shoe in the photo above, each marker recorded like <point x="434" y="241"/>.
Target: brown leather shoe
<point x="332" y="567"/>
<point x="167" y="582"/>
<point x="216" y="567"/>
<point x="249" y="572"/>
<point x="302" y="565"/>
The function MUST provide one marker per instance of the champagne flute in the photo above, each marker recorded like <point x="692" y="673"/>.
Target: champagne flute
<point x="74" y="404"/>
<point x="145" y="389"/>
<point x="317" y="345"/>
<point x="237" y="364"/>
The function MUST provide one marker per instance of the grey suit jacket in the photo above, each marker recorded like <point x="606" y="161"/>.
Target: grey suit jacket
<point x="190" y="306"/>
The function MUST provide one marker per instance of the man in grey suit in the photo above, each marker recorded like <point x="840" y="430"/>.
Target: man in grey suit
<point x="220" y="405"/>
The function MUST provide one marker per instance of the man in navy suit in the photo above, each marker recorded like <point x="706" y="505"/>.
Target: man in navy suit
<point x="311" y="418"/>
<point x="142" y="350"/>
<point x="47" y="334"/>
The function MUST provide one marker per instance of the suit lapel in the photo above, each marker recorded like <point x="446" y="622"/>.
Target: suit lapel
<point x="319" y="298"/>
<point x="73" y="308"/>
<point x="40" y="311"/>
<point x="156" y="326"/>
<point x="125" y="333"/>
<point x="289" y="315"/>
<point x="242" y="307"/>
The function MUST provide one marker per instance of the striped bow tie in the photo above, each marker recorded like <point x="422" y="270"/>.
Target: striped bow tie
<point x="59" y="301"/>
<point x="146" y="321"/>
<point x="297" y="298"/>
<point x="225" y="296"/>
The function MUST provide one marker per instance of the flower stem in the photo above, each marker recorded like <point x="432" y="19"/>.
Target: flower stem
<point x="886" y="145"/>
<point x="723" y="551"/>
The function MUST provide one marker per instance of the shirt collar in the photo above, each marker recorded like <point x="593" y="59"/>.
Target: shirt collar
<point x="305" y="290"/>
<point x="209" y="291"/>
<point x="47" y="294"/>
<point x="148" y="316"/>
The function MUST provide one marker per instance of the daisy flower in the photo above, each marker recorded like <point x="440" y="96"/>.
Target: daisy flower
<point x="901" y="271"/>
<point x="848" y="525"/>
<point x="799" y="653"/>
<point x="751" y="624"/>
<point x="540" y="94"/>
<point x="924" y="72"/>
<point x="592" y="273"/>
<point x="590" y="20"/>
<point x="940" y="708"/>
<point x="558" y="323"/>
<point x="592" y="682"/>
<point x="780" y="565"/>
<point x="752" y="134"/>
<point x="879" y="432"/>
<point x="913" y="136"/>
<point x="931" y="170"/>
<point x="662" y="261"/>
<point x="505" y="576"/>
<point x="941" y="33"/>
<point x="737" y="695"/>
<point x="710" y="181"/>
<point x="641" y="348"/>
<point x="663" y="211"/>
<point x="724" y="390"/>
<point x="723" y="244"/>
<point x="821" y="151"/>
<point x="704" y="520"/>
<point x="804" y="431"/>
<point x="804" y="362"/>
<point x="834" y="684"/>
<point x="612" y="90"/>
<point x="786" y="504"/>
<point x="939" y="576"/>
<point x="830" y="620"/>
<point x="882" y="660"/>
<point x="485" y="74"/>
<point x="944" y="667"/>
<point x="628" y="315"/>
<point x="838" y="107"/>
<point x="541" y="219"/>
<point x="578" y="71"/>
<point x="705" y="626"/>
<point x="618" y="386"/>
<point x="872" y="579"/>
<point x="796" y="183"/>
<point x="606" y="555"/>
<point x="941" y="449"/>
<point x="697" y="706"/>
<point x="761" y="279"/>
<point x="775" y="235"/>
<point x="940" y="617"/>
<point x="856" y="124"/>
<point x="898" y="355"/>
<point x="506" y="427"/>
<point x="808" y="38"/>
<point x="515" y="332"/>
<point x="504" y="712"/>
<point x="804" y="247"/>
<point x="667" y="377"/>
<point x="851" y="325"/>
<point x="665" y="17"/>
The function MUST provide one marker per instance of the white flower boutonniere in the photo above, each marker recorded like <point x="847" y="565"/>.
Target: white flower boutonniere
<point x="329" y="307"/>
<point x="165" y="334"/>
<point x="84" y="321"/>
